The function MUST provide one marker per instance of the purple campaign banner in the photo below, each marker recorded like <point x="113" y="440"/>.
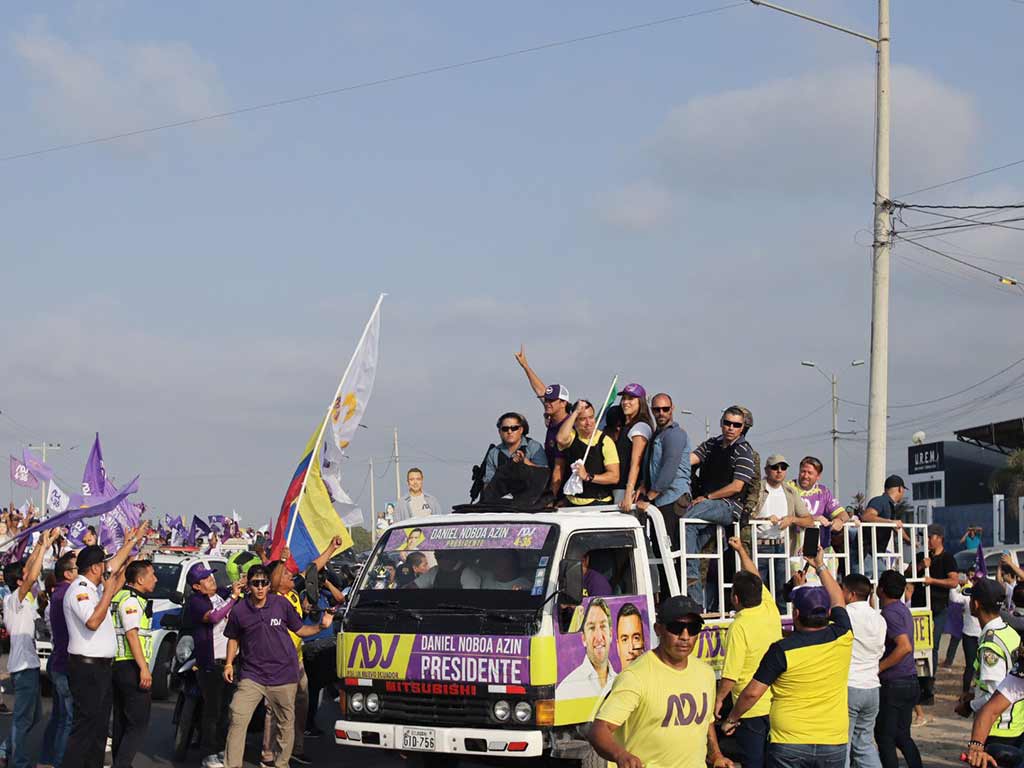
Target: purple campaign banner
<point x="432" y="538"/>
<point x="470" y="658"/>
<point x="21" y="475"/>
<point x="605" y="635"/>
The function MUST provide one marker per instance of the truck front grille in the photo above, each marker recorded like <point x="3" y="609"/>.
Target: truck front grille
<point x="434" y="710"/>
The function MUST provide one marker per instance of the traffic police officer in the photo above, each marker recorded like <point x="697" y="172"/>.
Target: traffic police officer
<point x="91" y="650"/>
<point x="997" y="653"/>
<point x="133" y="620"/>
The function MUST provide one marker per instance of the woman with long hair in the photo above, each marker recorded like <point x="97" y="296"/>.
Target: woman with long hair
<point x="637" y="433"/>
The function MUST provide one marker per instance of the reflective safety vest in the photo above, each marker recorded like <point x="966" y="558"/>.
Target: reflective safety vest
<point x="998" y="647"/>
<point x="124" y="651"/>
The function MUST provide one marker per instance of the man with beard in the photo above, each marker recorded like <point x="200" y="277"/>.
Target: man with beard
<point x="629" y="635"/>
<point x="595" y="674"/>
<point x="660" y="711"/>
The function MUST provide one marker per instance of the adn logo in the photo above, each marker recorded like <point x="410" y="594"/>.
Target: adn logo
<point x="371" y="649"/>
<point x="682" y="710"/>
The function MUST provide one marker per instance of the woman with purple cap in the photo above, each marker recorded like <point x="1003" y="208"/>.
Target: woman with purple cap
<point x="632" y="442"/>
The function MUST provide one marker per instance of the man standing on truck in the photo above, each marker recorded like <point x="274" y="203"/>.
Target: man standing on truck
<point x="665" y="480"/>
<point x="555" y="399"/>
<point x="807" y="672"/>
<point x="660" y="710"/>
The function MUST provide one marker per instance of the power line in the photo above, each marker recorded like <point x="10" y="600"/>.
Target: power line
<point x="372" y="83"/>
<point x="796" y="421"/>
<point x="962" y="178"/>
<point x="1004" y="279"/>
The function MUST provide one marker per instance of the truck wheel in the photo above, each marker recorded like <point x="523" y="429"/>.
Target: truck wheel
<point x="162" y="671"/>
<point x="592" y="760"/>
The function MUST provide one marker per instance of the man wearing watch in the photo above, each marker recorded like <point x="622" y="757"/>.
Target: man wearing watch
<point x="807" y="672"/>
<point x="666" y="468"/>
<point x="259" y="626"/>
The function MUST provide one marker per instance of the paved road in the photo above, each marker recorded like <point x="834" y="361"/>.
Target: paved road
<point x="940" y="741"/>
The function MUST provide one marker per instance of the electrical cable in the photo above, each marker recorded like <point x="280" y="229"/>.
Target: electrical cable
<point x="962" y="178"/>
<point x="1004" y="279"/>
<point x="370" y="83"/>
<point x="795" y="421"/>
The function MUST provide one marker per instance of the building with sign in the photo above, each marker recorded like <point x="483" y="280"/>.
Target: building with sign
<point x="951" y="473"/>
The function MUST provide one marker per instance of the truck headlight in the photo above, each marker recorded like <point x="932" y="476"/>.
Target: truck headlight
<point x="356" y="702"/>
<point x="502" y="710"/>
<point x="372" y="703"/>
<point x="522" y="712"/>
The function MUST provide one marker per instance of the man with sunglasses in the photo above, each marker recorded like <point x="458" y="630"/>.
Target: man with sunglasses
<point x="516" y="447"/>
<point x="807" y="673"/>
<point x="666" y="468"/>
<point x="782" y="506"/>
<point x="727" y="468"/>
<point x="259" y="626"/>
<point x="660" y="710"/>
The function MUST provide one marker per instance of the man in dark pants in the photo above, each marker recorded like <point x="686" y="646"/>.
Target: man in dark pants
<point x="133" y="619"/>
<point x="899" y="690"/>
<point x="91" y="649"/>
<point x="940" y="576"/>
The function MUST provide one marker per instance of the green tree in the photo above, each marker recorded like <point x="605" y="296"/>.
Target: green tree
<point x="361" y="539"/>
<point x="1009" y="480"/>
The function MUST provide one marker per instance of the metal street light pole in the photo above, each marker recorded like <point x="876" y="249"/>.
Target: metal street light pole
<point x="878" y="393"/>
<point x="45" y="486"/>
<point x="834" y="380"/>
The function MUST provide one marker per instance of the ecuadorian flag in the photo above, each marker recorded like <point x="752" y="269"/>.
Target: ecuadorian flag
<point x="317" y="522"/>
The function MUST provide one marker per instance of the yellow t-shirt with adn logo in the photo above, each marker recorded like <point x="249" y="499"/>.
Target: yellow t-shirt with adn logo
<point x="753" y="630"/>
<point x="664" y="713"/>
<point x="296" y="602"/>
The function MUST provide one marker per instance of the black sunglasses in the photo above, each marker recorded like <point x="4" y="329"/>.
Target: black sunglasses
<point x="693" y="627"/>
<point x="513" y="428"/>
<point x="781" y="465"/>
<point x="659" y="409"/>
<point x="259" y="583"/>
<point x="733" y="424"/>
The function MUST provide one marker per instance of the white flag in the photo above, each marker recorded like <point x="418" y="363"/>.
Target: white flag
<point x="357" y="384"/>
<point x="56" y="500"/>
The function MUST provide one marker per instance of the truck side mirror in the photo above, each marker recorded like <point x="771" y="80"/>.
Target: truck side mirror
<point x="176" y="597"/>
<point x="571" y="581"/>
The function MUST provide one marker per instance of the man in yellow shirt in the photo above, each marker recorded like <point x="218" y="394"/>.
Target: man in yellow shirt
<point x="660" y="710"/>
<point x="757" y="626"/>
<point x="807" y="672"/>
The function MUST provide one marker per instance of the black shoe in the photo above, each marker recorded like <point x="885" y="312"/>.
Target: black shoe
<point x="312" y="732"/>
<point x="301" y="759"/>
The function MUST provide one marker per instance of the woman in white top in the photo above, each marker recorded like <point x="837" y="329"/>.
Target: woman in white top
<point x="638" y="430"/>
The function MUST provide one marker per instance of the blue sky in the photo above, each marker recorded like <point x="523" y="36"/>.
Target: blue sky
<point x="686" y="206"/>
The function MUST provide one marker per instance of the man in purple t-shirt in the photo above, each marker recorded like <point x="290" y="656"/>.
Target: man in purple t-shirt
<point x="258" y="626"/>
<point x="594" y="582"/>
<point x="896" y="672"/>
<point x="62" y="713"/>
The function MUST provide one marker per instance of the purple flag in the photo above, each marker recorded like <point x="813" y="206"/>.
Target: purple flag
<point x="201" y="526"/>
<point x="76" y="533"/>
<point x="979" y="563"/>
<point x="36" y="466"/>
<point x="21" y="475"/>
<point x="80" y="507"/>
<point x="94" y="478"/>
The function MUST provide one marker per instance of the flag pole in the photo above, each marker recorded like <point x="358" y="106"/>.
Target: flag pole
<point x="315" y="456"/>
<point x="604" y="405"/>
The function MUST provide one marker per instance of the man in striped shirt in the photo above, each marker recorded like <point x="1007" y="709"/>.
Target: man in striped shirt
<point x="726" y="471"/>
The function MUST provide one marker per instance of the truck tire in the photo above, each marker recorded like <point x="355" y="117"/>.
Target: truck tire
<point x="593" y="760"/>
<point x="162" y="670"/>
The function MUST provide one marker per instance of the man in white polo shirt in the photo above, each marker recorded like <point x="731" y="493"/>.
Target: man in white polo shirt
<point x="20" y="611"/>
<point x="863" y="686"/>
<point x="92" y="646"/>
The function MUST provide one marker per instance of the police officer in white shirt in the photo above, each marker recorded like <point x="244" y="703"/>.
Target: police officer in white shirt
<point x="20" y="612"/>
<point x="91" y="649"/>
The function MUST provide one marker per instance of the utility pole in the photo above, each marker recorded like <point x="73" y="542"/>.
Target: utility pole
<point x="835" y="438"/>
<point x="707" y="427"/>
<point x="398" y="472"/>
<point x="373" y="505"/>
<point x="878" y="393"/>
<point x="45" y="486"/>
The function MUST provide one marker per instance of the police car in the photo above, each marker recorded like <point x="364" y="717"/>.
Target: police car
<point x="171" y="568"/>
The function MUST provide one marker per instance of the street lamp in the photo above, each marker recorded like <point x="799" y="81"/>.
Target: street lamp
<point x="878" y="392"/>
<point x="835" y="417"/>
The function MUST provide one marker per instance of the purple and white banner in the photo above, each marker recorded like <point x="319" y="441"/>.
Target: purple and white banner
<point x="431" y="538"/>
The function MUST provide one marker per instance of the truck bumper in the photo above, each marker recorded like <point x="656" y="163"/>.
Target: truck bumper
<point x="448" y="740"/>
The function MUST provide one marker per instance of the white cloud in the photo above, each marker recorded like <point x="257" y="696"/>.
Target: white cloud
<point x="103" y="89"/>
<point x="638" y="206"/>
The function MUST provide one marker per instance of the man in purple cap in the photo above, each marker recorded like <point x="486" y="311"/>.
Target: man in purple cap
<point x="807" y="672"/>
<point x="555" y="399"/>
<point x="208" y="610"/>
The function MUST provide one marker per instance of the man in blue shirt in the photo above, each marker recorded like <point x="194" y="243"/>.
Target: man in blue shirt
<point x="666" y="468"/>
<point x="518" y="465"/>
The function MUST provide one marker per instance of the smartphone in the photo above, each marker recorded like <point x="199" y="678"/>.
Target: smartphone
<point x="812" y="539"/>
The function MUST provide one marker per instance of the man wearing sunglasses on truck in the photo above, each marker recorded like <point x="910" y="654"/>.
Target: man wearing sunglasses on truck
<point x="259" y="626"/>
<point x="661" y="708"/>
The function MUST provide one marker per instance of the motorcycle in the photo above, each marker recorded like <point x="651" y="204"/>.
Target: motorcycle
<point x="188" y="709"/>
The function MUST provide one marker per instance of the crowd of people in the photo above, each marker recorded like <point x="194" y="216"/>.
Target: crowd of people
<point x="248" y="641"/>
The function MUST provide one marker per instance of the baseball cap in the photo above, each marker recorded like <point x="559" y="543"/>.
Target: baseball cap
<point x="556" y="392"/>
<point x="197" y="573"/>
<point x="936" y="530"/>
<point x="676" y="608"/>
<point x="894" y="481"/>
<point x="89" y="556"/>
<point x="634" y="390"/>
<point x="776" y="458"/>
<point x="988" y="594"/>
<point x="812" y="601"/>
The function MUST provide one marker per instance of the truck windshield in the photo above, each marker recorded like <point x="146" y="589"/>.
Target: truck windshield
<point x="492" y="564"/>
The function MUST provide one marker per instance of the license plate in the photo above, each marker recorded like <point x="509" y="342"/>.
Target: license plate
<point x="418" y="738"/>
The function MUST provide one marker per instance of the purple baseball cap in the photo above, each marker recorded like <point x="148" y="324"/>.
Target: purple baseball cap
<point x="556" y="392"/>
<point x="811" y="601"/>
<point x="634" y="390"/>
<point x="197" y="573"/>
